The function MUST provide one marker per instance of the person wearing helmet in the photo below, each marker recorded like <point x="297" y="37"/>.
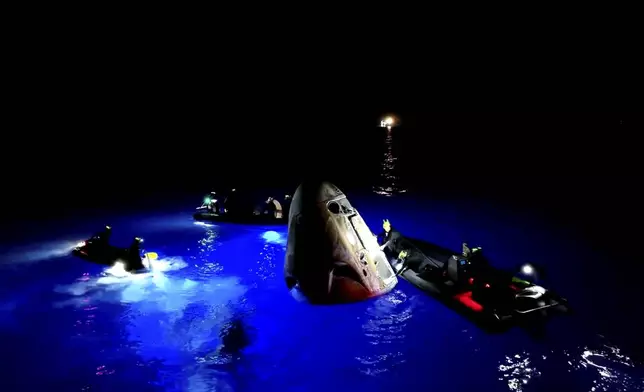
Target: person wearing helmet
<point x="212" y="203"/>
<point x="390" y="239"/>
<point x="102" y="238"/>
<point x="135" y="262"/>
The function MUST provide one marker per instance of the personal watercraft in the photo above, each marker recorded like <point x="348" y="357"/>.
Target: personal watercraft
<point x="467" y="281"/>
<point x="236" y="208"/>
<point x="98" y="250"/>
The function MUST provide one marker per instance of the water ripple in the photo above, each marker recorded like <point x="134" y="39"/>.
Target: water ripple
<point x="611" y="370"/>
<point x="389" y="183"/>
<point x="602" y="368"/>
<point x="517" y="371"/>
<point x="386" y="319"/>
<point x="384" y="327"/>
<point x="265" y="267"/>
<point x="206" y="248"/>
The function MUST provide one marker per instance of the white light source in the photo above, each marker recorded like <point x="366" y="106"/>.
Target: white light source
<point x="387" y="122"/>
<point x="118" y="270"/>
<point x="80" y="244"/>
<point x="527" y="269"/>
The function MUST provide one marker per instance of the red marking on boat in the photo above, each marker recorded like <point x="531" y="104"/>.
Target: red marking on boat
<point x="466" y="299"/>
<point x="513" y="287"/>
<point x="471" y="280"/>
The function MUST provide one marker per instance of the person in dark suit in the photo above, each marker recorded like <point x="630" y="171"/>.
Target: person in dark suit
<point x="390" y="239"/>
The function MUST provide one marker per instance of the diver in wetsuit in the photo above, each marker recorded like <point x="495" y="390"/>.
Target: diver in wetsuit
<point x="134" y="261"/>
<point x="391" y="239"/>
<point x="102" y="238"/>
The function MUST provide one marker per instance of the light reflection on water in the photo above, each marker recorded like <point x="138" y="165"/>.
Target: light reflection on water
<point x="594" y="367"/>
<point x="207" y="246"/>
<point x="384" y="326"/>
<point x="603" y="368"/>
<point x="265" y="267"/>
<point x="389" y="183"/>
<point x="517" y="371"/>
<point x="173" y="321"/>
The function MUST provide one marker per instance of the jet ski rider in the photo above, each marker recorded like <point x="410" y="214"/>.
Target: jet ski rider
<point x="102" y="237"/>
<point x="134" y="255"/>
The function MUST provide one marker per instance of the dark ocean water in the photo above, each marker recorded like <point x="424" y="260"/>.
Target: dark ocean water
<point x="216" y="316"/>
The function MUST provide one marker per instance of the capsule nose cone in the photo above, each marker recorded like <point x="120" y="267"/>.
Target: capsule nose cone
<point x="325" y="261"/>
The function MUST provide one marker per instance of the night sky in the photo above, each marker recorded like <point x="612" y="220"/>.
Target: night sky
<point x="107" y="153"/>
<point x="179" y="145"/>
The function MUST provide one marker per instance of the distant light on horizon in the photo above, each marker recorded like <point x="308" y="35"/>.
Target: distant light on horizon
<point x="387" y="122"/>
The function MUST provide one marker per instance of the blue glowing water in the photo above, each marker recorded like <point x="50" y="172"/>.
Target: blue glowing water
<point x="216" y="316"/>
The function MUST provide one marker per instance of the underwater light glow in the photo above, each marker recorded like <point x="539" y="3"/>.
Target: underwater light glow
<point x="118" y="270"/>
<point x="271" y="236"/>
<point x="197" y="223"/>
